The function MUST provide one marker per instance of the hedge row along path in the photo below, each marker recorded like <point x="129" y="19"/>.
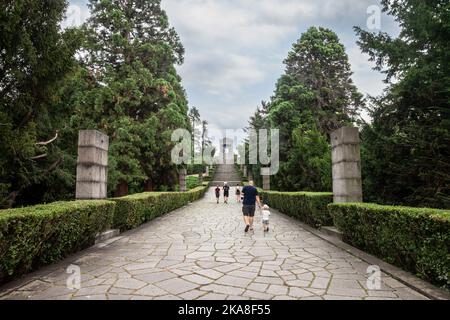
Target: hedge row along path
<point x="201" y="252"/>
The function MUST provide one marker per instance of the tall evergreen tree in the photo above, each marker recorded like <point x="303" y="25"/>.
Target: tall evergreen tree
<point x="194" y="118"/>
<point x="319" y="65"/>
<point x="406" y="155"/>
<point x="131" y="90"/>
<point x="34" y="56"/>
<point x="315" y="96"/>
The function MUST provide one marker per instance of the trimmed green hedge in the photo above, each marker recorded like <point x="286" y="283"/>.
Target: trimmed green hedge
<point x="414" y="239"/>
<point x="34" y="236"/>
<point x="309" y="207"/>
<point x="192" y="182"/>
<point x="134" y="210"/>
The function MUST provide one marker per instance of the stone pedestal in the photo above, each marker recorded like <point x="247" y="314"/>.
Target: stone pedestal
<point x="92" y="165"/>
<point x="346" y="159"/>
<point x="265" y="172"/>
<point x="182" y="176"/>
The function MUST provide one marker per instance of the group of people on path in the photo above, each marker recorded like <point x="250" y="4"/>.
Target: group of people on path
<point x="250" y="198"/>
<point x="226" y="193"/>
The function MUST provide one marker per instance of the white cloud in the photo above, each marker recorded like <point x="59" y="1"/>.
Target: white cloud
<point x="235" y="48"/>
<point x="76" y="15"/>
<point x="222" y="74"/>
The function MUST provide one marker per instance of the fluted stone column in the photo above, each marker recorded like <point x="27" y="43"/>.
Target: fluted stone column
<point x="92" y="165"/>
<point x="265" y="172"/>
<point x="182" y="176"/>
<point x="346" y="159"/>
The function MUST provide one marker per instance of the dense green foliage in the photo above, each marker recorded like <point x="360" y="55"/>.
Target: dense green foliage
<point x="308" y="207"/>
<point x="116" y="74"/>
<point x="35" y="55"/>
<point x="134" y="210"/>
<point x="406" y="154"/>
<point x="35" y="236"/>
<point x="192" y="182"/>
<point x="415" y="239"/>
<point x="315" y="96"/>
<point x="131" y="91"/>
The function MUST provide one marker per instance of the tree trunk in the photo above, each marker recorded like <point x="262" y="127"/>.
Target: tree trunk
<point x="122" y="189"/>
<point x="148" y="186"/>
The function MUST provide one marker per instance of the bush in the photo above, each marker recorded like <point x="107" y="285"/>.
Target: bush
<point x="309" y="207"/>
<point x="134" y="210"/>
<point x="192" y="182"/>
<point x="212" y="172"/>
<point x="34" y="236"/>
<point x="414" y="239"/>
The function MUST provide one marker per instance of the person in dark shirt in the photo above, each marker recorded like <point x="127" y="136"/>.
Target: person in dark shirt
<point x="226" y="192"/>
<point x="238" y="194"/>
<point x="251" y="197"/>
<point x="217" y="194"/>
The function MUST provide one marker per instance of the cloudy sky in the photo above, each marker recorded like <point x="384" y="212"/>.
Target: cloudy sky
<point x="235" y="48"/>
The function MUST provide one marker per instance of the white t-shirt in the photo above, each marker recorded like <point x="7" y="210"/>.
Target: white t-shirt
<point x="265" y="214"/>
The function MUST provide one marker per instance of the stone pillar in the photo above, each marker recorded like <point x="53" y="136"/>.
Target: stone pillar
<point x="244" y="172"/>
<point x="265" y="172"/>
<point x="92" y="165"/>
<point x="346" y="159"/>
<point x="207" y="171"/>
<point x="182" y="176"/>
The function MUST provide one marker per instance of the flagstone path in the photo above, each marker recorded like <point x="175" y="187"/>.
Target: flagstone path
<point x="201" y="252"/>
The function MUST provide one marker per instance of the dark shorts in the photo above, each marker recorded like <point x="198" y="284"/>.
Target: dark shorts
<point x="226" y="194"/>
<point x="249" y="211"/>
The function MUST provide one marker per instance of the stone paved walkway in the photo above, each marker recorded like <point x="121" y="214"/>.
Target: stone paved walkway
<point x="201" y="252"/>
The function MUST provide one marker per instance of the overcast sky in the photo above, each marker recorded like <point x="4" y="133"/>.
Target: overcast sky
<point x="235" y="48"/>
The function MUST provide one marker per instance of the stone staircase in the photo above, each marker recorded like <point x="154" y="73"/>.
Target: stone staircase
<point x="226" y="173"/>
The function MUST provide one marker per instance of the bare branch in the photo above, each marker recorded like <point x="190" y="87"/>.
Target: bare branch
<point x="39" y="157"/>
<point x="49" y="141"/>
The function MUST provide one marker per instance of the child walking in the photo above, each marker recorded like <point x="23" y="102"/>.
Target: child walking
<point x="265" y="217"/>
<point x="238" y="194"/>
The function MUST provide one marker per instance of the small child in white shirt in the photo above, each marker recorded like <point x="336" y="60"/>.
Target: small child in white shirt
<point x="265" y="217"/>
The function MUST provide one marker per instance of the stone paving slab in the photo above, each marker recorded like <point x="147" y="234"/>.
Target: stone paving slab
<point x="201" y="252"/>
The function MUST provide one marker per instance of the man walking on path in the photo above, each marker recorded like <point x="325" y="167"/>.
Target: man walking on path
<point x="226" y="192"/>
<point x="250" y="198"/>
